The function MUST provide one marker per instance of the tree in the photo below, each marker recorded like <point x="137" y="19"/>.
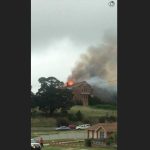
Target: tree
<point x="79" y="116"/>
<point x="33" y="100"/>
<point x="94" y="100"/>
<point x="52" y="95"/>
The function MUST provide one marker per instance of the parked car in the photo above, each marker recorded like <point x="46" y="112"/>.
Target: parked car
<point x="83" y="126"/>
<point x="72" y="126"/>
<point x="63" y="128"/>
<point x="35" y="145"/>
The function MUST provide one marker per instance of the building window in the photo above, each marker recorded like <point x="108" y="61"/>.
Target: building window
<point x="102" y="135"/>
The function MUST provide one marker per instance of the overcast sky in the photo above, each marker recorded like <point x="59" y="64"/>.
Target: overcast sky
<point x="63" y="29"/>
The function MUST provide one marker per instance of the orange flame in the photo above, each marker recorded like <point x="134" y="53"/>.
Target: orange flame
<point x="70" y="83"/>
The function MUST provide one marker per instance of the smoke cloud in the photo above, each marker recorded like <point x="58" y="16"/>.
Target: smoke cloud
<point x="98" y="66"/>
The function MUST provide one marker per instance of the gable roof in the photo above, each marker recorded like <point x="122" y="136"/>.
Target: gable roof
<point x="108" y="127"/>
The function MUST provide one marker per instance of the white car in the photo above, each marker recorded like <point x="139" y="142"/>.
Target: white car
<point x="35" y="145"/>
<point x="83" y="126"/>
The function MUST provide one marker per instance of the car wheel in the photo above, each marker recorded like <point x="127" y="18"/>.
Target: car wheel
<point x="33" y="148"/>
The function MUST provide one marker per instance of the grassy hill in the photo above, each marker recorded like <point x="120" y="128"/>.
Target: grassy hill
<point x="87" y="111"/>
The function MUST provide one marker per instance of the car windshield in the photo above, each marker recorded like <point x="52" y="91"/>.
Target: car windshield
<point x="33" y="141"/>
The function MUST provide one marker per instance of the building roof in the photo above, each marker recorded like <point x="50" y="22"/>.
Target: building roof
<point x="79" y="84"/>
<point x="109" y="127"/>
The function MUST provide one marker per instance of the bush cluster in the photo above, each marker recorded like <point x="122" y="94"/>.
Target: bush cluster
<point x="88" y="142"/>
<point x="110" y="119"/>
<point x="78" y="116"/>
<point x="62" y="122"/>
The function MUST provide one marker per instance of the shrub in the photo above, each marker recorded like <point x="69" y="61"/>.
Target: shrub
<point x="79" y="116"/>
<point x="64" y="111"/>
<point x="87" y="121"/>
<point x="88" y="142"/>
<point x="115" y="137"/>
<point x="102" y="119"/>
<point x="90" y="120"/>
<point x="107" y="118"/>
<point x="72" y="117"/>
<point x="110" y="140"/>
<point x="111" y="119"/>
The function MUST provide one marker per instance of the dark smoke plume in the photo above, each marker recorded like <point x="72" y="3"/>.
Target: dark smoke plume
<point x="98" y="66"/>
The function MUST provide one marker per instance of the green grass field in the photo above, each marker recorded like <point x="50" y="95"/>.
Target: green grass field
<point x="83" y="148"/>
<point x="41" y="121"/>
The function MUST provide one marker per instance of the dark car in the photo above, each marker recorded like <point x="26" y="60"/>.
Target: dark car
<point x="35" y="145"/>
<point x="72" y="126"/>
<point x="63" y="128"/>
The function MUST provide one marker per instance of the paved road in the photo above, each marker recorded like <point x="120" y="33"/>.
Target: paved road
<point x="64" y="135"/>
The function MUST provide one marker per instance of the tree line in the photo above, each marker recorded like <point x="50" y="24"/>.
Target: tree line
<point x="52" y="95"/>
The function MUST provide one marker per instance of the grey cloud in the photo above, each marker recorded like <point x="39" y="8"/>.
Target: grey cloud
<point x="83" y="21"/>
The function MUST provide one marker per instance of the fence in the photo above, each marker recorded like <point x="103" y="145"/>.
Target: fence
<point x="67" y="143"/>
<point x="98" y="142"/>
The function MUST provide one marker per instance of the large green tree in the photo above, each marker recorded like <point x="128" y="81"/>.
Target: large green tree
<point x="52" y="95"/>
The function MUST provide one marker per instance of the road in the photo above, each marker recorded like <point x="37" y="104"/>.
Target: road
<point x="43" y="128"/>
<point x="64" y="135"/>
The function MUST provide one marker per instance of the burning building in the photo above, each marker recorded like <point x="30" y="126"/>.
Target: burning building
<point x="81" y="92"/>
<point x="98" y="66"/>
